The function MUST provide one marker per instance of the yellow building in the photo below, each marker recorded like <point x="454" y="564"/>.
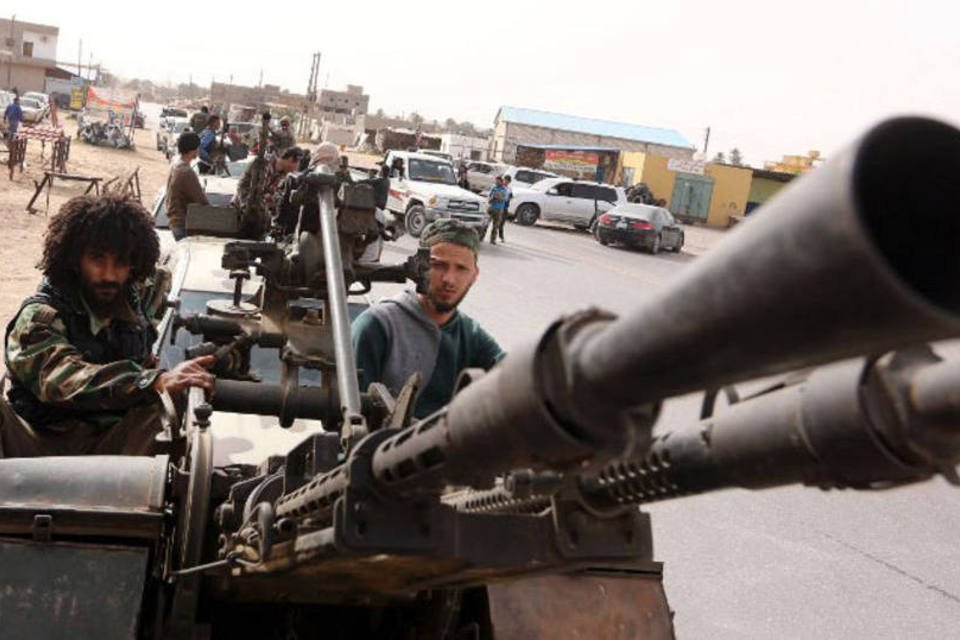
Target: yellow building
<point x="695" y="191"/>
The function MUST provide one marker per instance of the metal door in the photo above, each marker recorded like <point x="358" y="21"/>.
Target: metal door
<point x="691" y="197"/>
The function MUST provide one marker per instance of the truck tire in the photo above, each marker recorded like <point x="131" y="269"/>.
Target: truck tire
<point x="415" y="220"/>
<point x="527" y="214"/>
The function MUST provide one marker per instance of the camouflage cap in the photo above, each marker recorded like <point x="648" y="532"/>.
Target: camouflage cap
<point x="449" y="230"/>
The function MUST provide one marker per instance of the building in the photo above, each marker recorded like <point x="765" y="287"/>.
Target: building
<point x="764" y="185"/>
<point x="514" y="126"/>
<point x="222" y="93"/>
<point x="795" y="164"/>
<point x="464" y="147"/>
<point x="28" y="51"/>
<point x="352" y="101"/>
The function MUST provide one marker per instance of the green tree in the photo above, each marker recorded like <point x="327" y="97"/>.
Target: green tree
<point x="450" y="124"/>
<point x="735" y="157"/>
<point x="416" y="118"/>
<point x="720" y="158"/>
<point x="381" y="113"/>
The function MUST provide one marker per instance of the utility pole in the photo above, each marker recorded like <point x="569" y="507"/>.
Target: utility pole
<point x="706" y="143"/>
<point x="260" y="83"/>
<point x="13" y="43"/>
<point x="311" y="98"/>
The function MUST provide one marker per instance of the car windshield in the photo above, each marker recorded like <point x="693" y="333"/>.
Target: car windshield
<point x="29" y="102"/>
<point x="430" y="171"/>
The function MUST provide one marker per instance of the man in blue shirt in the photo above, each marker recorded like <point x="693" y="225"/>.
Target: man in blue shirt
<point x="208" y="145"/>
<point x="496" y="206"/>
<point x="13" y="115"/>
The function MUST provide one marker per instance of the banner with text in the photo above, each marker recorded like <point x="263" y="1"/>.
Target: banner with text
<point x="561" y="160"/>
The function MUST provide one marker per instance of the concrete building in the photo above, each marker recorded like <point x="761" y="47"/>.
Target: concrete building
<point x="464" y="147"/>
<point x="222" y="93"/>
<point x="710" y="193"/>
<point x="515" y="126"/>
<point x="352" y="101"/>
<point x="764" y="185"/>
<point x="27" y="51"/>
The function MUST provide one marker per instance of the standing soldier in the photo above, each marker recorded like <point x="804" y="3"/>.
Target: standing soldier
<point x="495" y="206"/>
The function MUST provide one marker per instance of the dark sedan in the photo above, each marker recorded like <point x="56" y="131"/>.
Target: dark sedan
<point x="640" y="225"/>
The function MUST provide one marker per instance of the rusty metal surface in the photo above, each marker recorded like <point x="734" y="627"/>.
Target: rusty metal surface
<point x="70" y="590"/>
<point x="122" y="483"/>
<point x="612" y="606"/>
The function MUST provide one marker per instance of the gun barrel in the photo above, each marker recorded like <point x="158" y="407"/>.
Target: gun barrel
<point x="856" y="423"/>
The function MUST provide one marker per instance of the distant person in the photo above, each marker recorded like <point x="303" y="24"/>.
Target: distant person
<point x="13" y="116"/>
<point x="54" y="121"/>
<point x="183" y="185"/>
<point x="506" y="204"/>
<point x="283" y="139"/>
<point x="199" y="119"/>
<point x="208" y="145"/>
<point x="343" y="171"/>
<point x="495" y="206"/>
<point x="462" y="176"/>
<point x="256" y="216"/>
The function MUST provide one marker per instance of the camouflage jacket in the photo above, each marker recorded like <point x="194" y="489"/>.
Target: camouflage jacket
<point x="66" y="363"/>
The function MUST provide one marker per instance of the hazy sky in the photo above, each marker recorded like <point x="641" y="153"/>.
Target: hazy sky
<point x="771" y="78"/>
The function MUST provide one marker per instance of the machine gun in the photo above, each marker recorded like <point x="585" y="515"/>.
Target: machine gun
<point x="499" y="515"/>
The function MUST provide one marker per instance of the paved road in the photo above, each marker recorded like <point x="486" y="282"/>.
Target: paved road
<point x="785" y="563"/>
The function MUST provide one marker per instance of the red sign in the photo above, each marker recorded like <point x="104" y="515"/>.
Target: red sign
<point x="571" y="161"/>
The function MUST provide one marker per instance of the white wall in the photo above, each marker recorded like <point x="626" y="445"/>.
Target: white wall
<point x="46" y="50"/>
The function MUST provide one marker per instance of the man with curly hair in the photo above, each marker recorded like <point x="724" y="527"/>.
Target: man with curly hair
<point x="79" y="351"/>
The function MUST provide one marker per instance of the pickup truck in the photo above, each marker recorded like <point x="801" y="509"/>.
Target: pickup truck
<point x="426" y="189"/>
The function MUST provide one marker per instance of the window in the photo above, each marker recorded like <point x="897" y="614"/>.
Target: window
<point x="27" y="49"/>
<point x="530" y="177"/>
<point x="583" y="191"/>
<point x="565" y="189"/>
<point x="607" y="194"/>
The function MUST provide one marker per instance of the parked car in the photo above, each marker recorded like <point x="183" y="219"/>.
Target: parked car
<point x="640" y="225"/>
<point x="481" y="176"/>
<point x="42" y="98"/>
<point x="524" y="178"/>
<point x="33" y="109"/>
<point x="564" y="200"/>
<point x="6" y="97"/>
<point x="428" y="190"/>
<point x="171" y="112"/>
<point x="167" y="135"/>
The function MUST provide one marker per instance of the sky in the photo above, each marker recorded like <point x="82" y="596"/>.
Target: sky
<point x="770" y="78"/>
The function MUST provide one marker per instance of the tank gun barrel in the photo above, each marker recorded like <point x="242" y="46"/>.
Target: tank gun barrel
<point x="859" y="423"/>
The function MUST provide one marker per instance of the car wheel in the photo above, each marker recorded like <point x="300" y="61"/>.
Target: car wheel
<point x="655" y="247"/>
<point x="416" y="220"/>
<point x="679" y="245"/>
<point x="600" y="239"/>
<point x="527" y="214"/>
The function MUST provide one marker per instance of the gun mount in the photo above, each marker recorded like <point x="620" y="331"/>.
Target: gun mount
<point x="527" y="486"/>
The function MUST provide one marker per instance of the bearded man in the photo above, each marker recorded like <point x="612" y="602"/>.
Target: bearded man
<point x="425" y="333"/>
<point x="79" y="352"/>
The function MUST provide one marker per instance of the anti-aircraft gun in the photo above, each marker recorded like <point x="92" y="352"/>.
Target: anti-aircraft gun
<point x="505" y="513"/>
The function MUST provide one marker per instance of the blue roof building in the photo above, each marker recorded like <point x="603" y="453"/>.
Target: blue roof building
<point x="515" y="126"/>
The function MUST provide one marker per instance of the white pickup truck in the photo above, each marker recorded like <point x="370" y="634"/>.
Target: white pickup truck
<point x="426" y="190"/>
